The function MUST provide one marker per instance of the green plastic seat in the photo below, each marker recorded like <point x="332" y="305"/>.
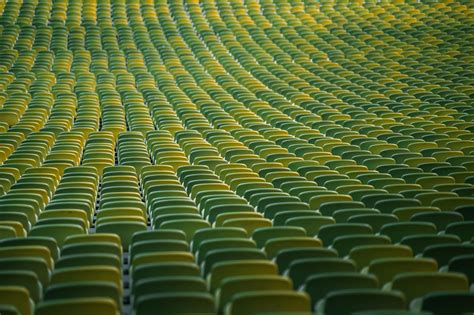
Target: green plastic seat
<point x="188" y="226"/>
<point x="153" y="285"/>
<point x="264" y="302"/>
<point x="397" y="231"/>
<point x="363" y="255"/>
<point x="443" y="253"/>
<point x="216" y="233"/>
<point x="300" y="270"/>
<point x="388" y="206"/>
<point x="310" y="223"/>
<point x="344" y="244"/>
<point x="78" y="306"/>
<point x="343" y="215"/>
<point x="464" y="230"/>
<point x="282" y="217"/>
<point x="176" y="303"/>
<point x="25" y="279"/>
<point x="236" y="285"/>
<point x="329" y="233"/>
<point x="262" y="235"/>
<point x="440" y="219"/>
<point x="17" y="297"/>
<point x="350" y="301"/>
<point x="286" y="256"/>
<point x="319" y="285"/>
<point x="58" y="231"/>
<point x="163" y="269"/>
<point x="222" y="243"/>
<point x="48" y="242"/>
<point x="462" y="264"/>
<point x="329" y="208"/>
<point x="386" y="269"/>
<point x="97" y="247"/>
<point x="273" y="247"/>
<point x="418" y="284"/>
<point x="92" y="289"/>
<point x="123" y="229"/>
<point x="224" y="270"/>
<point x="158" y="234"/>
<point x="461" y="303"/>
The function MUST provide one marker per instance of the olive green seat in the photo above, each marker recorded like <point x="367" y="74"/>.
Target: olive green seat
<point x="176" y="303"/>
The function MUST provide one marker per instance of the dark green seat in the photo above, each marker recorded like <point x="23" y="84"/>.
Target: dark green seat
<point x="222" y="243"/>
<point x="456" y="303"/>
<point x="48" y="242"/>
<point x="397" y="231"/>
<point x="164" y="270"/>
<point x="89" y="260"/>
<point x="444" y="253"/>
<point x="347" y="302"/>
<point x="262" y="235"/>
<point x="328" y="233"/>
<point x="463" y="264"/>
<point x="22" y="278"/>
<point x="300" y="270"/>
<point x="176" y="303"/>
<point x="440" y="219"/>
<point x="388" y="206"/>
<point x="329" y="208"/>
<point x="465" y="230"/>
<point x="318" y="286"/>
<point x="287" y="256"/>
<point x="419" y="243"/>
<point x="169" y="284"/>
<point x="216" y="233"/>
<point x="371" y="200"/>
<point x="376" y="221"/>
<point x="83" y="290"/>
<point x="344" y="244"/>
<point x="230" y="254"/>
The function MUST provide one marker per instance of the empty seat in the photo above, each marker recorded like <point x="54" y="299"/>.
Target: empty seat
<point x="89" y="289"/>
<point x="375" y="220"/>
<point x="319" y="285"/>
<point x="462" y="264"/>
<point x="123" y="229"/>
<point x="273" y="247"/>
<point x="417" y="284"/>
<point x="300" y="270"/>
<point x="285" y="257"/>
<point x="446" y="303"/>
<point x="418" y="243"/>
<point x="387" y="268"/>
<point x="397" y="231"/>
<point x="440" y="219"/>
<point x="464" y="230"/>
<point x="193" y="143"/>
<point x="224" y="270"/>
<point x="78" y="306"/>
<point x="344" y="244"/>
<point x="272" y="302"/>
<point x="445" y="252"/>
<point x="17" y="297"/>
<point x="176" y="303"/>
<point x="363" y="255"/>
<point x="236" y="285"/>
<point x="351" y="301"/>
<point x="262" y="235"/>
<point x="329" y="232"/>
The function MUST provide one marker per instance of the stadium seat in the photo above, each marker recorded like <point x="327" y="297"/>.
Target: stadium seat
<point x="222" y="157"/>
<point x="417" y="284"/>
<point x="350" y="301"/>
